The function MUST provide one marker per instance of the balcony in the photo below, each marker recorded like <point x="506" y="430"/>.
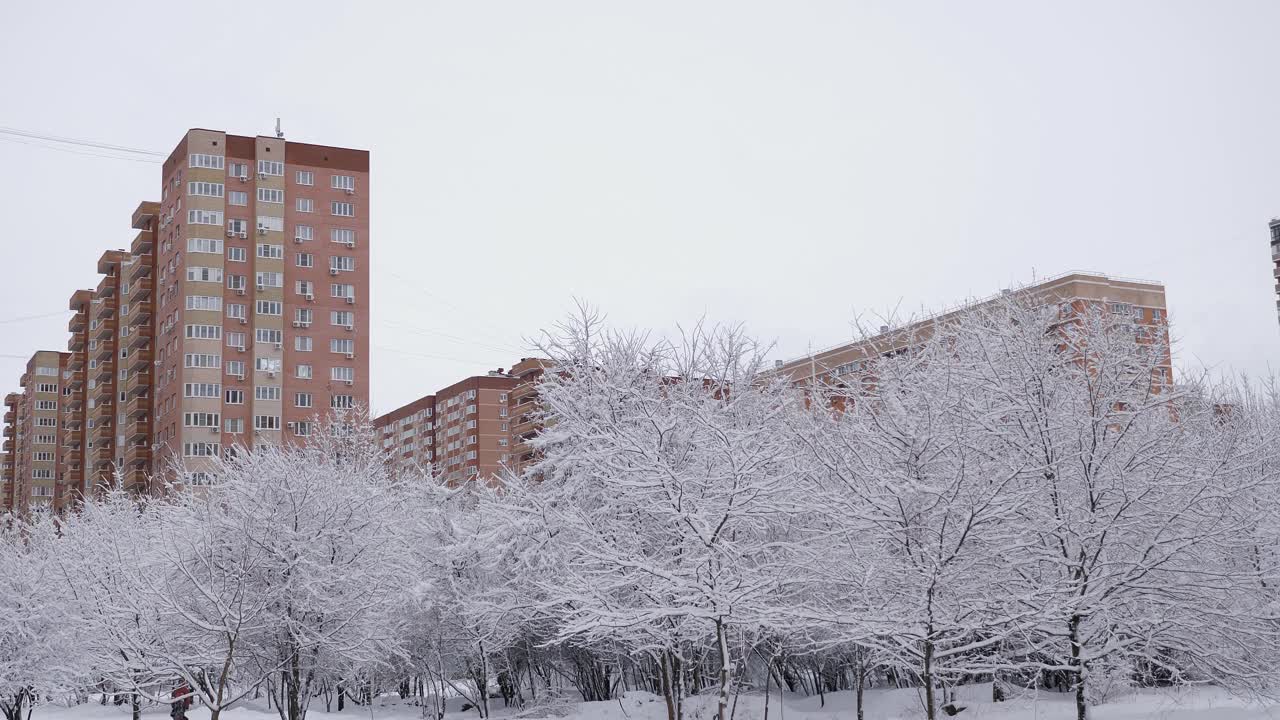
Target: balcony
<point x="139" y="338"/>
<point x="74" y="379"/>
<point x="102" y="375"/>
<point x="7" y="446"/>
<point x="77" y="323"/>
<point x="141" y="384"/>
<point x="106" y="287"/>
<point x="104" y="430"/>
<point x="75" y="343"/>
<point x="105" y="331"/>
<point x="8" y="431"/>
<point x="138" y="456"/>
<point x="104" y="390"/>
<point x="140" y="290"/>
<point x="143" y="243"/>
<point x="139" y="360"/>
<point x="75" y="363"/>
<point x="140" y="431"/>
<point x="9" y="417"/>
<point x="138" y="407"/>
<point x="72" y="441"/>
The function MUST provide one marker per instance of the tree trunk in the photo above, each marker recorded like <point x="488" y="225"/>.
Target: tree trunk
<point x="861" y="669"/>
<point x="1073" y="628"/>
<point x="722" y="641"/>
<point x="927" y="677"/>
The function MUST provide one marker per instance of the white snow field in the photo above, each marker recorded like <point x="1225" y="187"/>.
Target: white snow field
<point x="1163" y="704"/>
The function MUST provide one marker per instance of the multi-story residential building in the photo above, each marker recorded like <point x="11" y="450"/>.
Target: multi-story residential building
<point x="1140" y="301"/>
<point x="1275" y="257"/>
<point x="464" y="430"/>
<point x="261" y="293"/>
<point x="239" y="313"/>
<point x="526" y="422"/>
<point x="8" y="474"/>
<point x="32" y="423"/>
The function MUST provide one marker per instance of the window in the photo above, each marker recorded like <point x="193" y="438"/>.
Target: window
<point x="344" y="318"/>
<point x="237" y="254"/>
<point x="199" y="478"/>
<point x="341" y="402"/>
<point x="268" y="222"/>
<point x="342" y="346"/>
<point x="343" y="235"/>
<point x="302" y="343"/>
<point x="236" y="310"/>
<point x="269" y="195"/>
<point x="238" y="227"/>
<point x="40" y="490"/>
<point x="1157" y="315"/>
<point x="502" y="412"/>
<point x="204" y="217"/>
<point x="47" y="371"/>
<point x="302" y="233"/>
<point x="42" y="457"/>
<point x="502" y="397"/>
<point x="204" y="332"/>
<point x="51" y="439"/>
<point x="46" y="422"/>
<point x="201" y="360"/>
<point x="234" y="397"/>
<point x="237" y="197"/>
<point x="233" y="426"/>
<point x="204" y="302"/>
<point x="207" y="189"/>
<point x="303" y="428"/>
<point x="267" y="365"/>
<point x="204" y="274"/>
<point x="237" y="282"/>
<point x="340" y="290"/>
<point x="306" y="287"/>
<point x="341" y="209"/>
<point x="305" y="260"/>
<point x="305" y="177"/>
<point x="342" y="374"/>
<point x="239" y="170"/>
<point x="235" y="368"/>
<point x="271" y="167"/>
<point x="201" y="390"/>
<point x="303" y="372"/>
<point x="269" y="307"/>
<point x="47" y="387"/>
<point x="47" y="404"/>
<point x="270" y="279"/>
<point x="204" y="245"/>
<point x="502" y="442"/>
<point x="235" y="340"/>
<point x="302" y="400"/>
<point x="201" y="449"/>
<point x="342" y="182"/>
<point x="266" y="392"/>
<point x="266" y="422"/>
<point x="271" y="252"/>
<point x="213" y="162"/>
<point x="201" y="419"/>
<point x="304" y="205"/>
<point x="267" y="335"/>
<point x="302" y="316"/>
<point x="341" y="262"/>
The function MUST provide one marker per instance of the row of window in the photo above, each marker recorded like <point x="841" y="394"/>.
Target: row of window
<point x="274" y="168"/>
<point x="265" y="222"/>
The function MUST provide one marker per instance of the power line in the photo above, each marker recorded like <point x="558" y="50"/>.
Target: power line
<point x="33" y="317"/>
<point x="80" y="152"/>
<point x="76" y="141"/>
<point x="427" y="355"/>
<point x="406" y="327"/>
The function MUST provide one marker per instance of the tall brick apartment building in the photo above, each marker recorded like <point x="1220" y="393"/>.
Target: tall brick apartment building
<point x="472" y="428"/>
<point x="1140" y="301"/>
<point x="238" y="314"/>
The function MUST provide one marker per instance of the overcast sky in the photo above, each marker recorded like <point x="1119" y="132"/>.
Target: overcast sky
<point x="787" y="165"/>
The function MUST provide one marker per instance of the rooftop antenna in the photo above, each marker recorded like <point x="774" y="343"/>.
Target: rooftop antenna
<point x="279" y="132"/>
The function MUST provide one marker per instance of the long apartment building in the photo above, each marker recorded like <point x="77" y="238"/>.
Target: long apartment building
<point x="1139" y="301"/>
<point x="474" y="428"/>
<point x="237" y="316"/>
<point x="33" y="434"/>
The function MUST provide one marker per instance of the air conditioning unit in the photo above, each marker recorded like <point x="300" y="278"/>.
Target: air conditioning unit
<point x="297" y="324"/>
<point x="299" y="239"/>
<point x="309" y="296"/>
<point x="351" y="191"/>
<point x="262" y="176"/>
<point x="239" y="348"/>
<point x="244" y="321"/>
<point x="351" y="382"/>
<point x="349" y="328"/>
<point x="351" y="300"/>
<point x="351" y="356"/>
<point x="262" y="229"/>
<point x="279" y="346"/>
<point x="243" y="234"/>
<point x="231" y="233"/>
<point x="213" y="429"/>
<point x="239" y="291"/>
<point x="271" y="373"/>
<point x="291" y="425"/>
<point x="243" y="178"/>
<point x="333" y="271"/>
<point x="260" y="287"/>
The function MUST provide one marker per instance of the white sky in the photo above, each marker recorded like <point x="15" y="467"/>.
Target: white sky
<point x="784" y="164"/>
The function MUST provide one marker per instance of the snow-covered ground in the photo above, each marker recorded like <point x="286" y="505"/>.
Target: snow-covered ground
<point x="1199" y="704"/>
